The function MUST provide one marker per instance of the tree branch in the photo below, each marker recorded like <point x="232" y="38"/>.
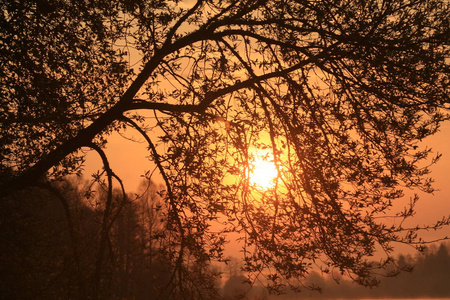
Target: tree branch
<point x="105" y="228"/>
<point x="180" y="21"/>
<point x="139" y="104"/>
<point x="171" y="196"/>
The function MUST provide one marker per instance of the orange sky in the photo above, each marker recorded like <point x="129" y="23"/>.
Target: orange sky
<point x="128" y="161"/>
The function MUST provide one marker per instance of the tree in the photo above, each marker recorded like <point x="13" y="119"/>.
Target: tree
<point x="339" y="93"/>
<point x="47" y="244"/>
<point x="236" y="287"/>
<point x="52" y="247"/>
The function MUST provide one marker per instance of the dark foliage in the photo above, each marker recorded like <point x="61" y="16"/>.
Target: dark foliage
<point x="51" y="248"/>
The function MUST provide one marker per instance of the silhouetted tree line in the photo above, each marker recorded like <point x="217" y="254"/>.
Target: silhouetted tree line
<point x="428" y="278"/>
<point x="52" y="246"/>
<point x="237" y="286"/>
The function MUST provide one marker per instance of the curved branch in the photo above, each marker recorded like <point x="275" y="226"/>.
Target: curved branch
<point x="71" y="228"/>
<point x="104" y="227"/>
<point x="171" y="195"/>
<point x="154" y="152"/>
<point x="261" y="38"/>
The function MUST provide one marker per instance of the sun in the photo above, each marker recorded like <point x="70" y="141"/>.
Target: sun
<point x="263" y="171"/>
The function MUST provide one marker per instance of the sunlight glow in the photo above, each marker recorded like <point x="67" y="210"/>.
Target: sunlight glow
<point x="262" y="172"/>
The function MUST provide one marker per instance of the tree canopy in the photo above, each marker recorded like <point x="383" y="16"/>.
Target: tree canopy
<point x="337" y="93"/>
